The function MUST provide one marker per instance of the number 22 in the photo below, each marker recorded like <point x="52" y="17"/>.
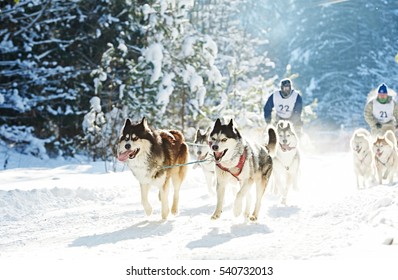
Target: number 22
<point x="286" y="107"/>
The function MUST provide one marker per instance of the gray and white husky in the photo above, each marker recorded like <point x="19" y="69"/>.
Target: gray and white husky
<point x="238" y="160"/>
<point x="203" y="152"/>
<point x="363" y="159"/>
<point x="286" y="160"/>
<point x="147" y="152"/>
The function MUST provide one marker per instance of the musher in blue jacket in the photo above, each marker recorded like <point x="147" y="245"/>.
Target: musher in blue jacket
<point x="287" y="103"/>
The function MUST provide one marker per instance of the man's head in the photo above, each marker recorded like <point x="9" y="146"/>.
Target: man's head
<point x="382" y="93"/>
<point x="286" y="87"/>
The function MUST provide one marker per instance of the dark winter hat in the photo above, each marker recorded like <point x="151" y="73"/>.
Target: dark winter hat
<point x="382" y="89"/>
<point x="286" y="82"/>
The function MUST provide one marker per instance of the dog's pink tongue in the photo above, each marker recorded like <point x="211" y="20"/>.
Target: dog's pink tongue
<point x="124" y="156"/>
<point x="217" y="155"/>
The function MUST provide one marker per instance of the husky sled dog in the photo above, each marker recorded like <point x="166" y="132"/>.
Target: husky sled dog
<point x="147" y="152"/>
<point x="203" y="152"/>
<point x="286" y="160"/>
<point x="364" y="166"/>
<point x="238" y="160"/>
<point x="386" y="158"/>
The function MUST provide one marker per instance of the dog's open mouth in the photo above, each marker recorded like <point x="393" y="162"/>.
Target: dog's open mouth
<point x="129" y="154"/>
<point x="218" y="155"/>
<point x="286" y="147"/>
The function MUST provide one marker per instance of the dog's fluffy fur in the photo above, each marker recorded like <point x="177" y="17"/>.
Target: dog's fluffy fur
<point x="286" y="160"/>
<point x="147" y="151"/>
<point x="363" y="159"/>
<point x="385" y="155"/>
<point x="238" y="160"/>
<point x="203" y="152"/>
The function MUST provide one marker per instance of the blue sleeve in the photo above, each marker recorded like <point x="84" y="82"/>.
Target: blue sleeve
<point x="298" y="108"/>
<point x="268" y="108"/>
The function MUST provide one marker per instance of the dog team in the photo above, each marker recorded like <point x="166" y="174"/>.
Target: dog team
<point x="157" y="157"/>
<point x="375" y="154"/>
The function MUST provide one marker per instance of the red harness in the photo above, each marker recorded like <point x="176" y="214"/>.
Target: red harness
<point x="239" y="167"/>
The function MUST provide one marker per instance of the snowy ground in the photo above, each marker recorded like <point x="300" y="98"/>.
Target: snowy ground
<point x="68" y="210"/>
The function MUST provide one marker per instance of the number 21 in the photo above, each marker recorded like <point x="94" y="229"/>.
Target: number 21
<point x="383" y="114"/>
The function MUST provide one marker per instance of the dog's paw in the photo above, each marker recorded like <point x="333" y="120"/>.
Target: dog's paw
<point x="165" y="214"/>
<point x="253" y="218"/>
<point x="216" y="215"/>
<point x="148" y="210"/>
<point x="174" y="210"/>
<point x="237" y="209"/>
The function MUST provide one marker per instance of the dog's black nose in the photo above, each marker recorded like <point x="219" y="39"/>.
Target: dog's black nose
<point x="199" y="152"/>
<point x="214" y="147"/>
<point x="127" y="146"/>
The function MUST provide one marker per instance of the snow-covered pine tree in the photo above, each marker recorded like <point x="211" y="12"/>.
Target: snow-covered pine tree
<point x="93" y="125"/>
<point x="47" y="51"/>
<point x="158" y="65"/>
<point x="245" y="69"/>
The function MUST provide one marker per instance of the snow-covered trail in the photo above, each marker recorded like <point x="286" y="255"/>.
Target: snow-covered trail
<point x="77" y="211"/>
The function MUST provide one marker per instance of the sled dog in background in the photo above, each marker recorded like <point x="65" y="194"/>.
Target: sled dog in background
<point x="238" y="160"/>
<point x="286" y="160"/>
<point x="203" y="152"/>
<point x="363" y="159"/>
<point x="385" y="155"/>
<point x="147" y="151"/>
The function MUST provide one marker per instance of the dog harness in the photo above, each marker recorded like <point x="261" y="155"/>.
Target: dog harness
<point x="383" y="163"/>
<point x="239" y="167"/>
<point x="363" y="159"/>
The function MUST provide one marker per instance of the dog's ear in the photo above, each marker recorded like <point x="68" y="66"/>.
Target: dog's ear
<point x="234" y="129"/>
<point x="231" y="123"/>
<point x="218" y="123"/>
<point x="144" y="123"/>
<point x="198" y="134"/>
<point x="127" y="122"/>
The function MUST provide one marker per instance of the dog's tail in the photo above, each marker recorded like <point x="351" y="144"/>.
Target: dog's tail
<point x="391" y="136"/>
<point x="271" y="140"/>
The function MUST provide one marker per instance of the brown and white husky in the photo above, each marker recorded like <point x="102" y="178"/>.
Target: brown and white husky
<point x="147" y="152"/>
<point x="386" y="157"/>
